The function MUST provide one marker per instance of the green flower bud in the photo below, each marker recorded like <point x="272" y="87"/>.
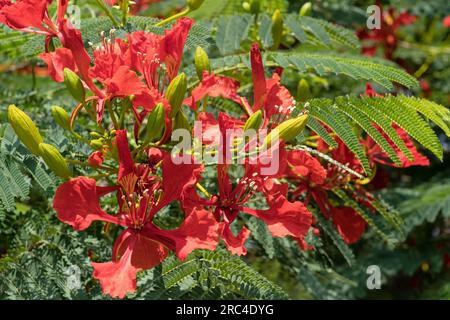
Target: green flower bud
<point x="288" y="129"/>
<point x="97" y="144"/>
<point x="303" y="91"/>
<point x="305" y="10"/>
<point x="175" y="93"/>
<point x="25" y="129"/>
<point x="194" y="4"/>
<point x="254" y="122"/>
<point x="155" y="124"/>
<point x="181" y="122"/>
<point x="94" y="134"/>
<point x="201" y="62"/>
<point x="74" y="85"/>
<point x="54" y="160"/>
<point x="277" y="29"/>
<point x="61" y="117"/>
<point x="252" y="6"/>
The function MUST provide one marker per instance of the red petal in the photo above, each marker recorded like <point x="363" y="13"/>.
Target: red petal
<point x="277" y="95"/>
<point x="71" y="38"/>
<point x="62" y="8"/>
<point x="176" y="178"/>
<point x="173" y="44"/>
<point x="198" y="231"/>
<point x="124" y="82"/>
<point x="57" y="61"/>
<point x="214" y="86"/>
<point x="283" y="218"/>
<point x="258" y="77"/>
<point x="378" y="155"/>
<point x="107" y="62"/>
<point x="118" y="278"/>
<point x="24" y="13"/>
<point x="235" y="244"/>
<point x="96" y="159"/>
<point x="126" y="163"/>
<point x="77" y="203"/>
<point x="446" y="22"/>
<point x="302" y="165"/>
<point x="349" y="223"/>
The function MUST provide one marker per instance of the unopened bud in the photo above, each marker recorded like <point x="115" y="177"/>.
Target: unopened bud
<point x="155" y="124"/>
<point x="54" y="160"/>
<point x="97" y="144"/>
<point x="175" y="93"/>
<point x="194" y="4"/>
<point x="61" y="117"/>
<point x="201" y="62"/>
<point x="254" y="122"/>
<point x="277" y="29"/>
<point x="25" y="129"/>
<point x="288" y="129"/>
<point x="252" y="6"/>
<point x="303" y="91"/>
<point x="94" y="134"/>
<point x="181" y="122"/>
<point x="74" y="85"/>
<point x="305" y="10"/>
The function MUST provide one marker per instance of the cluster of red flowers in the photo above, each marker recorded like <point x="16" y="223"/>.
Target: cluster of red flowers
<point x="140" y="68"/>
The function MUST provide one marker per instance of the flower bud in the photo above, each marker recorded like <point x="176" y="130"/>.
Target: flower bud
<point x="288" y="129"/>
<point x="181" y="122"/>
<point x="305" y="10"/>
<point x="97" y="144"/>
<point x="54" y="160"/>
<point x="74" y="85"/>
<point x="252" y="6"/>
<point x="194" y="4"/>
<point x="94" y="134"/>
<point x="277" y="29"/>
<point x="254" y="122"/>
<point x="25" y="129"/>
<point x="155" y="124"/>
<point x="61" y="117"/>
<point x="303" y="91"/>
<point x="175" y="93"/>
<point x="201" y="62"/>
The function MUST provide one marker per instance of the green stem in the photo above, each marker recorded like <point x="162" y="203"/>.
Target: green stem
<point x="108" y="12"/>
<point x="125" y="5"/>
<point x="86" y="164"/>
<point x="174" y="17"/>
<point x="113" y="115"/>
<point x="79" y="137"/>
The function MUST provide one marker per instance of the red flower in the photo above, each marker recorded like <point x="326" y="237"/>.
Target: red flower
<point x="117" y="64"/>
<point x="386" y="36"/>
<point x="24" y="14"/>
<point x="142" y="245"/>
<point x="376" y="154"/>
<point x="58" y="60"/>
<point x="32" y="16"/>
<point x="268" y="94"/>
<point x="446" y="22"/>
<point x="96" y="159"/>
<point x="274" y="99"/>
<point x="312" y="178"/>
<point x="283" y="218"/>
<point x="305" y="170"/>
<point x="214" y="86"/>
